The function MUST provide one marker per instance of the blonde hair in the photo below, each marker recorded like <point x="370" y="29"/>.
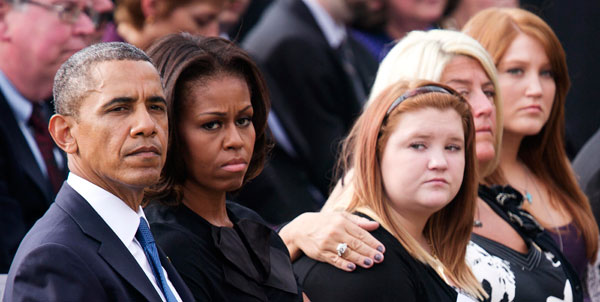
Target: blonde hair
<point x="425" y="55"/>
<point x="449" y="229"/>
<point x="544" y="153"/>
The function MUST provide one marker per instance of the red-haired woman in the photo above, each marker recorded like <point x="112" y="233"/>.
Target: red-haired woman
<point x="533" y="79"/>
<point x="413" y="156"/>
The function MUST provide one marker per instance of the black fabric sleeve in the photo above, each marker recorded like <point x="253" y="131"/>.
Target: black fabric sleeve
<point x="324" y="282"/>
<point x="190" y="258"/>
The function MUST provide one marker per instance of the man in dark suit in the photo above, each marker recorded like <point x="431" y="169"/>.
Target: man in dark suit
<point x="94" y="243"/>
<point x="34" y="41"/>
<point x="321" y="76"/>
<point x="31" y="167"/>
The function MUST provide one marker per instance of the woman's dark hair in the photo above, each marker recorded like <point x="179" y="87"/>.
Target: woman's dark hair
<point x="184" y="58"/>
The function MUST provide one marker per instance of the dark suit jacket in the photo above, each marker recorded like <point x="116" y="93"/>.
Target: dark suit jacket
<point x="71" y="254"/>
<point x="315" y="100"/>
<point x="25" y="194"/>
<point x="587" y="168"/>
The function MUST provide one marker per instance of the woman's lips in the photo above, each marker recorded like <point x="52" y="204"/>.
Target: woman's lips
<point x="532" y="108"/>
<point x="235" y="165"/>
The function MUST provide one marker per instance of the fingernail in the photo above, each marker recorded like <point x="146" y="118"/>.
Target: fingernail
<point x="378" y="257"/>
<point x="380" y="248"/>
<point x="351" y="266"/>
<point x="368" y="261"/>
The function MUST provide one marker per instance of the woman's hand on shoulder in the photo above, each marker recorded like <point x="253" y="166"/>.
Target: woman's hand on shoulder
<point x="319" y="234"/>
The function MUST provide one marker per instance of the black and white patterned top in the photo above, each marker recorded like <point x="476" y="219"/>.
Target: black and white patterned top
<point x="541" y="274"/>
<point x="507" y="275"/>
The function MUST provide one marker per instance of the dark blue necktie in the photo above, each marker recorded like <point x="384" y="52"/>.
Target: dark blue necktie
<point x="144" y="236"/>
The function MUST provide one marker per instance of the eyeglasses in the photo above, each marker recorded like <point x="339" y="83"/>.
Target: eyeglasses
<point x="415" y="92"/>
<point x="98" y="19"/>
<point x="69" y="12"/>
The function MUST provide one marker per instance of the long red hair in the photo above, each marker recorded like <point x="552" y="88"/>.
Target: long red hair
<point x="544" y="153"/>
<point x="449" y="229"/>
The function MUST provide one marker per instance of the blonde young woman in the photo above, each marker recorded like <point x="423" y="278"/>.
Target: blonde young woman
<point x="533" y="78"/>
<point x="413" y="156"/>
<point x="458" y="61"/>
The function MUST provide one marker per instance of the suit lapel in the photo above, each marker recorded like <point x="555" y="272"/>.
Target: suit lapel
<point x="24" y="156"/>
<point x="111" y="248"/>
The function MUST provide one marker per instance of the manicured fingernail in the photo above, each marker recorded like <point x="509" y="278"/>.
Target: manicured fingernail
<point x="368" y="261"/>
<point x="351" y="266"/>
<point x="380" y="248"/>
<point x="378" y="257"/>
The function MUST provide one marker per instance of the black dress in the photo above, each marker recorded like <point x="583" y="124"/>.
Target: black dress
<point x="399" y="278"/>
<point x="248" y="262"/>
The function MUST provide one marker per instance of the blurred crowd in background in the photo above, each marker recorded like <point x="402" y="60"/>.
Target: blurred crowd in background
<point x="318" y="70"/>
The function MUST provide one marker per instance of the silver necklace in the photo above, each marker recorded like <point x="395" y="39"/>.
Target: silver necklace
<point x="477" y="222"/>
<point x="528" y="196"/>
<point x="530" y="201"/>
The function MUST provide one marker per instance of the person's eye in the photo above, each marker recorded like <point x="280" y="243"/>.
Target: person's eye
<point x="243" y="122"/>
<point x="547" y="73"/>
<point x="490" y="93"/>
<point x="69" y="10"/>
<point x="418" y="146"/>
<point x="204" y="20"/>
<point x="453" y="147"/>
<point x="515" y="71"/>
<point x="464" y="93"/>
<point x="211" y="125"/>
<point x="158" y="108"/>
<point x="117" y="109"/>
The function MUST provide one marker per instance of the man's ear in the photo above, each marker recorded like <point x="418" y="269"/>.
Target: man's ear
<point x="61" y="128"/>
<point x="149" y="9"/>
<point x="4" y="9"/>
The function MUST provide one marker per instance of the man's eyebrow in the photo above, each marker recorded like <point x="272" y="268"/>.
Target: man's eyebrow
<point x="157" y="99"/>
<point x="118" y="100"/>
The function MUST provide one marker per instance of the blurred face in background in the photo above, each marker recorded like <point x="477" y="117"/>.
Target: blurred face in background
<point x="527" y="84"/>
<point x="416" y="11"/>
<point x="37" y="39"/>
<point x="471" y="7"/>
<point x="466" y="76"/>
<point x="102" y="13"/>
<point x="232" y="12"/>
<point x="196" y="17"/>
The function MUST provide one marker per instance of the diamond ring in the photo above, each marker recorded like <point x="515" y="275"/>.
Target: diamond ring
<point x="341" y="248"/>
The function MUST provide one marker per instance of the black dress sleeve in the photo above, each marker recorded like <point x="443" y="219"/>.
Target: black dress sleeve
<point x="400" y="277"/>
<point x="327" y="283"/>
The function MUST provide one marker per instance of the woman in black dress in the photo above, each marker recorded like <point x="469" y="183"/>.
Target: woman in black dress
<point x="218" y="108"/>
<point x="413" y="157"/>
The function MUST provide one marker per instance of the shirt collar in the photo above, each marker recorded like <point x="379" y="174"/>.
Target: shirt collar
<point x="334" y="32"/>
<point x="117" y="215"/>
<point x="20" y="106"/>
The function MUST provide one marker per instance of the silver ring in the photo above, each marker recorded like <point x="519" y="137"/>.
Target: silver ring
<point x="341" y="248"/>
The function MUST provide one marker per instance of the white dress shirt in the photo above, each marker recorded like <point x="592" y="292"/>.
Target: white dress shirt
<point x="122" y="220"/>
<point x="334" y="32"/>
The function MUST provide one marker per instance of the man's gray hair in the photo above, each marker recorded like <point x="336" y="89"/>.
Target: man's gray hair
<point x="73" y="81"/>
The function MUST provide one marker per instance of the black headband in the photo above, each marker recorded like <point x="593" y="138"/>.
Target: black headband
<point x="415" y="92"/>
